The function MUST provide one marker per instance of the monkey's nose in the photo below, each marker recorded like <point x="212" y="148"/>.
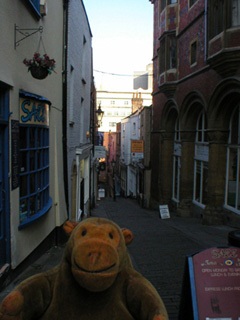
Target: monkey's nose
<point x="94" y="257"/>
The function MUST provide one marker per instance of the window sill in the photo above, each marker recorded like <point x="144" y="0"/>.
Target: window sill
<point x="192" y="65"/>
<point x="199" y="204"/>
<point x="228" y="207"/>
<point x="36" y="217"/>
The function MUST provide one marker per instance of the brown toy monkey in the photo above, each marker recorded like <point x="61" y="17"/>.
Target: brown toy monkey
<point x="95" y="280"/>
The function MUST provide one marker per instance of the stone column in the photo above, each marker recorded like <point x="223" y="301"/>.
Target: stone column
<point x="166" y="167"/>
<point x="213" y="212"/>
<point x="186" y="174"/>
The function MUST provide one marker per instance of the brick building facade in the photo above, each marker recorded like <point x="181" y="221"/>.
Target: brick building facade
<point x="196" y="108"/>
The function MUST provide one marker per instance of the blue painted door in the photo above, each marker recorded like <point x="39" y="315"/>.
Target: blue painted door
<point x="4" y="190"/>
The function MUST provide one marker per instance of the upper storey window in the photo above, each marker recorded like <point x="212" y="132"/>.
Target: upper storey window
<point x="172" y="59"/>
<point x="193" y="57"/>
<point x="235" y="13"/>
<point x="218" y="17"/>
<point x="168" y="53"/>
<point x="166" y="2"/>
<point x="223" y="14"/>
<point x="163" y="4"/>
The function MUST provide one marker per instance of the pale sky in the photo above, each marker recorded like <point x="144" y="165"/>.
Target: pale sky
<point x="122" y="38"/>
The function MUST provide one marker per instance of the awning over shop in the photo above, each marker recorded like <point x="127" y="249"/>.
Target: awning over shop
<point x="23" y="93"/>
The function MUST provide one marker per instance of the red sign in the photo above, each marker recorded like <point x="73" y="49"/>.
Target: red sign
<point x="217" y="283"/>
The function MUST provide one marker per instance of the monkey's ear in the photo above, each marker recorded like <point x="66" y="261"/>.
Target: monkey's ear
<point x="128" y="235"/>
<point x="69" y="226"/>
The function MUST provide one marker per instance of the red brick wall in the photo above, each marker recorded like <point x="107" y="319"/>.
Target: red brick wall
<point x="187" y="15"/>
<point x="172" y="19"/>
<point x="195" y="32"/>
<point x="215" y="46"/>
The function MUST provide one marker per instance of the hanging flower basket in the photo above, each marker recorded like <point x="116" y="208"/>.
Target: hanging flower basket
<point x="40" y="66"/>
<point x="39" y="72"/>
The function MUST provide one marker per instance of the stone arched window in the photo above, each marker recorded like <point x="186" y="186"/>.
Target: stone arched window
<point x="232" y="191"/>
<point x="200" y="162"/>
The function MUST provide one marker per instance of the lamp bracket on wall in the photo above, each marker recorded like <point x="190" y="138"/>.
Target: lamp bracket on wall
<point x="25" y="33"/>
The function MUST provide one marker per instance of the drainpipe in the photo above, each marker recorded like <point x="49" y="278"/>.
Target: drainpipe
<point x="64" y="113"/>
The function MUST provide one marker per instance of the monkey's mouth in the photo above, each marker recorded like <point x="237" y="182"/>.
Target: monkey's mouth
<point x="94" y="271"/>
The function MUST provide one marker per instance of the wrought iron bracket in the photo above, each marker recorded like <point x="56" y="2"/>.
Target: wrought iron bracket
<point x="25" y="33"/>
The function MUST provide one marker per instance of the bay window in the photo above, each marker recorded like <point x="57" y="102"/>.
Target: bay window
<point x="34" y="159"/>
<point x="223" y="14"/>
<point x="168" y="53"/>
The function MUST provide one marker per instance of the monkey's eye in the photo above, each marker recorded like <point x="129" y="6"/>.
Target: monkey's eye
<point x="110" y="235"/>
<point x="84" y="232"/>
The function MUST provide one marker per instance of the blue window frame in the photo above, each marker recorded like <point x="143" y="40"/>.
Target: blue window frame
<point x="34" y="173"/>
<point x="35" y="4"/>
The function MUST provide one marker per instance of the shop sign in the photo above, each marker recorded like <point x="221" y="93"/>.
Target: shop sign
<point x="137" y="146"/>
<point x="212" y="280"/>
<point x="34" y="112"/>
<point x="177" y="149"/>
<point x="137" y="149"/>
<point x="164" y="211"/>
<point x="201" y="152"/>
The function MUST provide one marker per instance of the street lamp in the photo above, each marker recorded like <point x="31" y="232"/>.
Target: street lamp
<point x="99" y="113"/>
<point x="113" y="163"/>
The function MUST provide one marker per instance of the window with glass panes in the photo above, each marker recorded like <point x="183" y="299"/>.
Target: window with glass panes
<point x="193" y="52"/>
<point x="172" y="56"/>
<point x="176" y="161"/>
<point x="235" y="13"/>
<point x="168" y="53"/>
<point x="34" y="171"/>
<point x="201" y="161"/>
<point x="232" y="194"/>
<point x="163" y="4"/>
<point x="162" y="57"/>
<point x="223" y="14"/>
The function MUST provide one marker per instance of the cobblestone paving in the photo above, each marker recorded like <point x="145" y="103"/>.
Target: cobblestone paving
<point x="160" y="247"/>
